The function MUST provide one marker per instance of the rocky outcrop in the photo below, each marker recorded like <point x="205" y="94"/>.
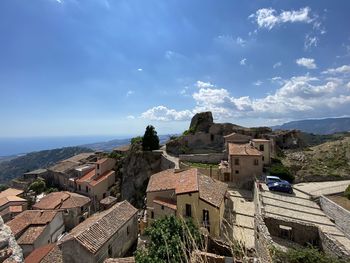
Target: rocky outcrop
<point x="10" y="251"/>
<point x="201" y="122"/>
<point x="136" y="170"/>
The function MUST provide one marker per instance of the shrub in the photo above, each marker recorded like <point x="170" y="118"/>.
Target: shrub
<point x="347" y="192"/>
<point x="38" y="186"/>
<point x="3" y="187"/>
<point x="136" y="140"/>
<point x="283" y="172"/>
<point x="171" y="240"/>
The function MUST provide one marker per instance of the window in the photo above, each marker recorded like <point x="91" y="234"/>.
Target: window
<point x="104" y="195"/>
<point x="263" y="158"/>
<point x="109" y="250"/>
<point x="236" y="161"/>
<point x="127" y="231"/>
<point x="152" y="214"/>
<point x="212" y="137"/>
<point x="256" y="162"/>
<point x="205" y="218"/>
<point x="86" y="189"/>
<point x="190" y="194"/>
<point x="79" y="188"/>
<point x="261" y="147"/>
<point x="237" y="172"/>
<point x="98" y="167"/>
<point x="285" y="232"/>
<point x="188" y="210"/>
<point x="162" y="207"/>
<point x="227" y="177"/>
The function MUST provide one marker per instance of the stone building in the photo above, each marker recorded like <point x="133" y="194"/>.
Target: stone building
<point x="35" y="228"/>
<point x="187" y="194"/>
<point x="75" y="207"/>
<point x="11" y="204"/>
<point x="26" y="179"/>
<point x="110" y="233"/>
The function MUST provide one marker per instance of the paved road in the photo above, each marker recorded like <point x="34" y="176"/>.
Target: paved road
<point x="316" y="189"/>
<point x="171" y="158"/>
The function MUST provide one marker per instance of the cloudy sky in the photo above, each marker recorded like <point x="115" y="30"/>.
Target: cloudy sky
<point x="95" y="67"/>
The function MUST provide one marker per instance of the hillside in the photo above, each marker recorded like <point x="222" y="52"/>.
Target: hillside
<point x="327" y="161"/>
<point x="31" y="161"/>
<point x="322" y="126"/>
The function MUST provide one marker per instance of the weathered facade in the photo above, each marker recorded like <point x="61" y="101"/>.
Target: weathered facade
<point x="110" y="233"/>
<point x="187" y="194"/>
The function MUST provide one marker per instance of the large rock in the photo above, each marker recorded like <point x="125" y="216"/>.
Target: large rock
<point x="10" y="251"/>
<point x="201" y="122"/>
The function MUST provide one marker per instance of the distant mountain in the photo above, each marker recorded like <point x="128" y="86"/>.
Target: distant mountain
<point x="110" y="145"/>
<point x="322" y="126"/>
<point x="13" y="168"/>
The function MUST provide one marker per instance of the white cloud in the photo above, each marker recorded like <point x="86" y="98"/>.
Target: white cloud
<point x="140" y="69"/>
<point x="130" y="117"/>
<point x="258" y="83"/>
<point x="306" y="62"/>
<point x="340" y="70"/>
<point x="268" y="17"/>
<point x="277" y="64"/>
<point x="297" y="97"/>
<point x="202" y="84"/>
<point x="59" y="1"/>
<point x="277" y="80"/>
<point x="243" y="61"/>
<point x="310" y="41"/>
<point x="240" y="41"/>
<point x="162" y="113"/>
<point x="129" y="93"/>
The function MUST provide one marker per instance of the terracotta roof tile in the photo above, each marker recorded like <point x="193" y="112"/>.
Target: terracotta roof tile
<point x="61" y="200"/>
<point x="87" y="177"/>
<point x="243" y="149"/>
<point x="212" y="191"/>
<point x="95" y="231"/>
<point x="187" y="181"/>
<point x="166" y="202"/>
<point x="30" y="235"/>
<point x="102" y="177"/>
<point x="8" y="199"/>
<point x="38" y="254"/>
<point x="165" y="180"/>
<point x="10" y="192"/>
<point x="30" y="217"/>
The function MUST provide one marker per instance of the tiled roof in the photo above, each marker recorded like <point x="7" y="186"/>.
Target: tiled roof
<point x="10" y="192"/>
<point x="210" y="190"/>
<point x="30" y="217"/>
<point x="80" y="157"/>
<point x="101" y="161"/>
<point x="108" y="200"/>
<point x="63" y="166"/>
<point x="243" y="149"/>
<point x="30" y="235"/>
<point x="63" y="200"/>
<point x="87" y="177"/>
<point x="120" y="260"/>
<point x="166" y="202"/>
<point x="102" y="177"/>
<point x="11" y="198"/>
<point x="95" y="231"/>
<point x="46" y="254"/>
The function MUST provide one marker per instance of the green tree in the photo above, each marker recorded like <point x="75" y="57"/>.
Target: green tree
<point x="150" y="140"/>
<point x="3" y="187"/>
<point x="38" y="186"/>
<point x="171" y="240"/>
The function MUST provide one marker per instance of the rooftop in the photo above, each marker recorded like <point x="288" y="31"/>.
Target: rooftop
<point x="28" y="218"/>
<point x="89" y="177"/>
<point x="243" y="150"/>
<point x="165" y="202"/>
<point x="108" y="200"/>
<point x="11" y="198"/>
<point x="61" y="200"/>
<point x="187" y="181"/>
<point x="10" y="192"/>
<point x="30" y="235"/>
<point x="46" y="254"/>
<point x="95" y="231"/>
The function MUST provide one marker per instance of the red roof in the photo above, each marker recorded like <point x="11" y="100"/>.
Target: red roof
<point x="87" y="176"/>
<point x="101" y="178"/>
<point x="166" y="202"/>
<point x="38" y="254"/>
<point x="243" y="149"/>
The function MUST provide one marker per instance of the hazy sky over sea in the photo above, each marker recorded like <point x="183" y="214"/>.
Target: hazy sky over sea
<point x="109" y="67"/>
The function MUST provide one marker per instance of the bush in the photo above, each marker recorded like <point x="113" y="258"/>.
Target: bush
<point x="303" y="255"/>
<point x="283" y="172"/>
<point x="38" y="186"/>
<point x="171" y="240"/>
<point x="347" y="192"/>
<point x="3" y="187"/>
<point x="136" y="140"/>
<point x="51" y="190"/>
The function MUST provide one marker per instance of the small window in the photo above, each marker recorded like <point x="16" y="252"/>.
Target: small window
<point x="127" y="231"/>
<point x="152" y="214"/>
<point x="104" y="195"/>
<point x="263" y="158"/>
<point x="162" y="207"/>
<point x="237" y="172"/>
<point x="86" y="189"/>
<point x="256" y="162"/>
<point x="188" y="210"/>
<point x="79" y="188"/>
<point x="109" y="250"/>
<point x="98" y="167"/>
<point x="212" y="137"/>
<point x="190" y="194"/>
<point x="236" y="161"/>
<point x="285" y="232"/>
<point x="261" y="147"/>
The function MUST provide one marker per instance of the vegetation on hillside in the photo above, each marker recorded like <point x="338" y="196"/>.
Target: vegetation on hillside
<point x="171" y="240"/>
<point x="35" y="160"/>
<point x="327" y="161"/>
<point x="278" y="169"/>
<point x="347" y="192"/>
<point x="303" y="255"/>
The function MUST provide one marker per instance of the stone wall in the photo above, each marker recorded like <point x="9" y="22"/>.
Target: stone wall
<point x="340" y="215"/>
<point x="333" y="247"/>
<point x="211" y="158"/>
<point x="211" y="172"/>
<point x="166" y="163"/>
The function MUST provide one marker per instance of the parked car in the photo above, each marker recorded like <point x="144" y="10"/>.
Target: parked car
<point x="275" y="183"/>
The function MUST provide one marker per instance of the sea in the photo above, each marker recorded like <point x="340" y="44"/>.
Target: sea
<point x="20" y="146"/>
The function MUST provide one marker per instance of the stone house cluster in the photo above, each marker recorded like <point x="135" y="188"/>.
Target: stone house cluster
<point x="187" y="194"/>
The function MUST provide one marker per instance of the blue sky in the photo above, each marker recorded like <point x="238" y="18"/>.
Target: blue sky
<point x="110" y="67"/>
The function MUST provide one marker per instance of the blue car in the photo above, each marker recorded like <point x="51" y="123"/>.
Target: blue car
<point x="275" y="183"/>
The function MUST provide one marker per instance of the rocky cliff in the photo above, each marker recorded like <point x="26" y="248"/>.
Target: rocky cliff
<point x="10" y="251"/>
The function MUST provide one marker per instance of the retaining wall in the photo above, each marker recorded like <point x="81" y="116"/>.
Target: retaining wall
<point x="213" y="158"/>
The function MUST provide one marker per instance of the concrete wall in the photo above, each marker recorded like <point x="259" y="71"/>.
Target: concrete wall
<point x="340" y="215"/>
<point x="212" y="158"/>
<point x="333" y="247"/>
